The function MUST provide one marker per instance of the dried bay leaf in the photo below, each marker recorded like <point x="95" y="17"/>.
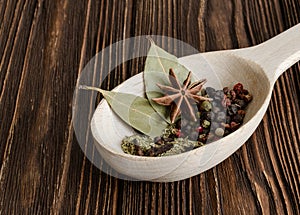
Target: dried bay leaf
<point x="134" y="110"/>
<point x="156" y="70"/>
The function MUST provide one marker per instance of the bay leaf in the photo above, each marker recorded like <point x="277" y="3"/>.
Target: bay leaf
<point x="134" y="110"/>
<point x="157" y="66"/>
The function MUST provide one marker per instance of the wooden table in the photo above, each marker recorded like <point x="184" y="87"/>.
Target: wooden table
<point x="45" y="44"/>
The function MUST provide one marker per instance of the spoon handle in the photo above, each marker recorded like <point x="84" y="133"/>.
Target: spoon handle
<point x="277" y="54"/>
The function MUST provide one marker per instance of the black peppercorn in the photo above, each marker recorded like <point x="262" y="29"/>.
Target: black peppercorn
<point x="205" y="130"/>
<point x="232" y="109"/>
<point x="215" y="103"/>
<point x="210" y="91"/>
<point x="221" y="117"/>
<point x="219" y="94"/>
<point x="216" y="109"/>
<point x="238" y="118"/>
<point x="214" y="125"/>
<point x="193" y="135"/>
<point x="228" y="119"/>
<point x="241" y="103"/>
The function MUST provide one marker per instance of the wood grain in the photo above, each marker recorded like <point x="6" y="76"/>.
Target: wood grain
<point x="45" y="44"/>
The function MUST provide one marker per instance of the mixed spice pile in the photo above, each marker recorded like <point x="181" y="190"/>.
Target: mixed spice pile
<point x="198" y="116"/>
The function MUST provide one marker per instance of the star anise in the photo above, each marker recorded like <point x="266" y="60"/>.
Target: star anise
<point x="181" y="97"/>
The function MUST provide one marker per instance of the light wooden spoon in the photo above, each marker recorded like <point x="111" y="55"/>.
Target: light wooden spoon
<point x="256" y="67"/>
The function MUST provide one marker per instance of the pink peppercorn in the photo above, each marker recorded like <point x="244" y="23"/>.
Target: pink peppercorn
<point x="178" y="133"/>
<point x="200" y="129"/>
<point x="238" y="88"/>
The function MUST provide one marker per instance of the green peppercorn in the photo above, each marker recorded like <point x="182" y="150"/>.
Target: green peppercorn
<point x="205" y="123"/>
<point x="206" y="105"/>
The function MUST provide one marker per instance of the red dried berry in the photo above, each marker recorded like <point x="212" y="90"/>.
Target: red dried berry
<point x="178" y="133"/>
<point x="200" y="129"/>
<point x="234" y="126"/>
<point x="238" y="88"/>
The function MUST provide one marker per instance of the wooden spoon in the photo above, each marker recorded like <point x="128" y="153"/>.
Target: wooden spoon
<point x="256" y="67"/>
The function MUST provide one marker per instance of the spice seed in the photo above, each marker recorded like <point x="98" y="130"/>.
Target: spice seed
<point x="218" y="117"/>
<point x="219" y="132"/>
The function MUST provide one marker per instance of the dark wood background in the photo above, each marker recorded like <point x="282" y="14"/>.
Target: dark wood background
<point x="44" y="45"/>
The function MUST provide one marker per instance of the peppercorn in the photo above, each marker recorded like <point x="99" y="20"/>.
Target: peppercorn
<point x="234" y="126"/>
<point x="245" y="92"/>
<point x="228" y="119"/>
<point x="241" y="112"/>
<point x="210" y="91"/>
<point x="206" y="105"/>
<point x="238" y="118"/>
<point x="179" y="134"/>
<point x="226" y="132"/>
<point x="247" y="98"/>
<point x="226" y="101"/>
<point x="232" y="109"/>
<point x="219" y="132"/>
<point x="211" y="138"/>
<point x="219" y="94"/>
<point x="193" y="135"/>
<point x="205" y="123"/>
<point x="216" y="109"/>
<point x="206" y="130"/>
<point x="215" y="103"/>
<point x="202" y="138"/>
<point x="226" y="90"/>
<point x="221" y="116"/>
<point x="207" y="115"/>
<point x="214" y="125"/>
<point x="200" y="129"/>
<point x="241" y="103"/>
<point x="238" y="88"/>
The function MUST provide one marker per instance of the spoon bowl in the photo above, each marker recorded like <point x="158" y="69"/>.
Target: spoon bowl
<point x="257" y="68"/>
